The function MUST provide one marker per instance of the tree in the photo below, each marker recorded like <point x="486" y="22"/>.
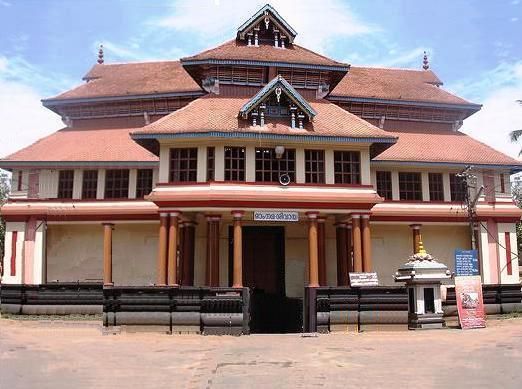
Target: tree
<point x="516" y="134"/>
<point x="516" y="191"/>
<point x="4" y="191"/>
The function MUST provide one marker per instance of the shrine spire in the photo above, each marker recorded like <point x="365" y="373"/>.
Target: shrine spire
<point x="425" y="63"/>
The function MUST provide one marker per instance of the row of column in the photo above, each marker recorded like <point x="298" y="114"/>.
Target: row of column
<point x="351" y="237"/>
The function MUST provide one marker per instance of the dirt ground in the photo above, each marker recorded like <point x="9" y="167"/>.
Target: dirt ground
<point x="44" y="354"/>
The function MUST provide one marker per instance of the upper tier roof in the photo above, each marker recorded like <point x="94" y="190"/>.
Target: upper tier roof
<point x="83" y="145"/>
<point x="395" y="84"/>
<point x="220" y="114"/>
<point x="446" y="147"/>
<point x="238" y="51"/>
<point x="131" y="79"/>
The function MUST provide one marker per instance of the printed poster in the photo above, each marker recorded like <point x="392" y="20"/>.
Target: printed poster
<point x="470" y="306"/>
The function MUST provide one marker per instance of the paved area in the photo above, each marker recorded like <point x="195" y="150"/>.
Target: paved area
<point x="76" y="355"/>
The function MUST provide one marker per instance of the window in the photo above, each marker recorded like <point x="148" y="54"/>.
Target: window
<point x="410" y="186"/>
<point x="314" y="166"/>
<point x="89" y="184"/>
<point x="347" y="167"/>
<point x="269" y="168"/>
<point x="234" y="163"/>
<point x="117" y="184"/>
<point x="183" y="165"/>
<point x="384" y="185"/>
<point x="65" y="184"/>
<point x="143" y="182"/>
<point x="436" y="186"/>
<point x="502" y="183"/>
<point x="211" y="163"/>
<point x="457" y="188"/>
<point x="20" y="180"/>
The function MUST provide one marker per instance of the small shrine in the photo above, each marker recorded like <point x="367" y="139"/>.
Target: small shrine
<point x="423" y="275"/>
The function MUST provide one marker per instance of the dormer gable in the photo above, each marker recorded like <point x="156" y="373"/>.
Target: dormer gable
<point x="266" y="26"/>
<point x="278" y="99"/>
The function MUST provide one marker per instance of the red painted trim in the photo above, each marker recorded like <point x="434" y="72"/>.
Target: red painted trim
<point x="14" y="239"/>
<point x="68" y="201"/>
<point x="421" y="202"/>
<point x="419" y="218"/>
<point x="509" y="265"/>
<point x="263" y="204"/>
<point x="164" y="184"/>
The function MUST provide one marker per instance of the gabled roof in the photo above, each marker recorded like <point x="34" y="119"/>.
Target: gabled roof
<point x="274" y="17"/>
<point x="132" y="79"/>
<point x="238" y="53"/>
<point x="82" y="146"/>
<point x="399" y="85"/>
<point x="443" y="147"/>
<point x="217" y="116"/>
<point x="289" y="90"/>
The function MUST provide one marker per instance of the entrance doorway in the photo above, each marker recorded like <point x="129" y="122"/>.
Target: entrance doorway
<point x="264" y="273"/>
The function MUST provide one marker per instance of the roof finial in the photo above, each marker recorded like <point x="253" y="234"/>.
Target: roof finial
<point x="425" y="63"/>
<point x="100" y="55"/>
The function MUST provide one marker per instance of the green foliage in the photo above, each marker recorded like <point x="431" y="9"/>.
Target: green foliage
<point x="516" y="191"/>
<point x="4" y="191"/>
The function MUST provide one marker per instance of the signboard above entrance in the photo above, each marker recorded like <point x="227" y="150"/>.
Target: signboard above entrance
<point x="363" y="279"/>
<point x="276" y="216"/>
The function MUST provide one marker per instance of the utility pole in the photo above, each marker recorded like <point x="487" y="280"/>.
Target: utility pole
<point x="469" y="179"/>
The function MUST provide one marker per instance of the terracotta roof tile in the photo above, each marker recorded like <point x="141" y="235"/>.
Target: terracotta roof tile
<point x="443" y="146"/>
<point x="84" y="145"/>
<point x="394" y="84"/>
<point x="214" y="113"/>
<point x="133" y="79"/>
<point x="233" y="50"/>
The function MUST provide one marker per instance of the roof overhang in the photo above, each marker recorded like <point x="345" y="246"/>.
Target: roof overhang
<point x="210" y="61"/>
<point x="52" y="102"/>
<point x="427" y="104"/>
<point x="259" y="135"/>
<point x="4" y="164"/>
<point x="458" y="165"/>
<point x="274" y="17"/>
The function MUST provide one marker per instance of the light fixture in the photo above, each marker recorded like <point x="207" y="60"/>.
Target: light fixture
<point x="279" y="150"/>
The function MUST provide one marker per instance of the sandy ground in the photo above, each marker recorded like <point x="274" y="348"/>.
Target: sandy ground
<point x="38" y="354"/>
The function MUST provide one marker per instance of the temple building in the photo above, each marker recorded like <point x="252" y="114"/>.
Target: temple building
<point x="257" y="165"/>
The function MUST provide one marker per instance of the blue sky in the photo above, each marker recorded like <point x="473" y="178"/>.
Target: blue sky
<point x="475" y="47"/>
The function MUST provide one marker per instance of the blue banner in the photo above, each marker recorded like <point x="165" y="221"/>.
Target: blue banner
<point x="466" y="263"/>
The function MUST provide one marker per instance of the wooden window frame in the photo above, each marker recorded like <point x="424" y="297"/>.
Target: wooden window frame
<point x="457" y="188"/>
<point x="183" y="164"/>
<point x="65" y="184"/>
<point x="235" y="163"/>
<point x="211" y="164"/>
<point x="314" y="166"/>
<point x="20" y="180"/>
<point x="347" y="167"/>
<point x="410" y="186"/>
<point x="89" y="184"/>
<point x="436" y="186"/>
<point x="144" y="182"/>
<point x="269" y="168"/>
<point x="502" y="183"/>
<point x="14" y="241"/>
<point x="117" y="184"/>
<point x="383" y="183"/>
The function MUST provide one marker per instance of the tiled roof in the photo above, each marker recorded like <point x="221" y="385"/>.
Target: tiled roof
<point x="234" y="50"/>
<point x="220" y="114"/>
<point x="83" y="145"/>
<point x="443" y="147"/>
<point x="133" y="79"/>
<point x="394" y="84"/>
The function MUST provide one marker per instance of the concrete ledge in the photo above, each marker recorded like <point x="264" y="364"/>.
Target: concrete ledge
<point x="323" y="318"/>
<point x="143" y="318"/>
<point x="343" y="328"/>
<point x="344" y="317"/>
<point x="223" y="331"/>
<point x="14" y="309"/>
<point x="222" y="319"/>
<point x="145" y="328"/>
<point x="180" y="329"/>
<point x="383" y="317"/>
<point x="383" y="327"/>
<point x="511" y="307"/>
<point x="61" y="309"/>
<point x="186" y="318"/>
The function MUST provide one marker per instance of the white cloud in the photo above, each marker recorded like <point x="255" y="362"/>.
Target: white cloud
<point x="408" y="58"/>
<point x="498" y="90"/>
<point x="24" y="119"/>
<point x="216" y="21"/>
<point x="4" y="3"/>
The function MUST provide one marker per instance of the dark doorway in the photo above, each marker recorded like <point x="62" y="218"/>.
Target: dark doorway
<point x="264" y="273"/>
